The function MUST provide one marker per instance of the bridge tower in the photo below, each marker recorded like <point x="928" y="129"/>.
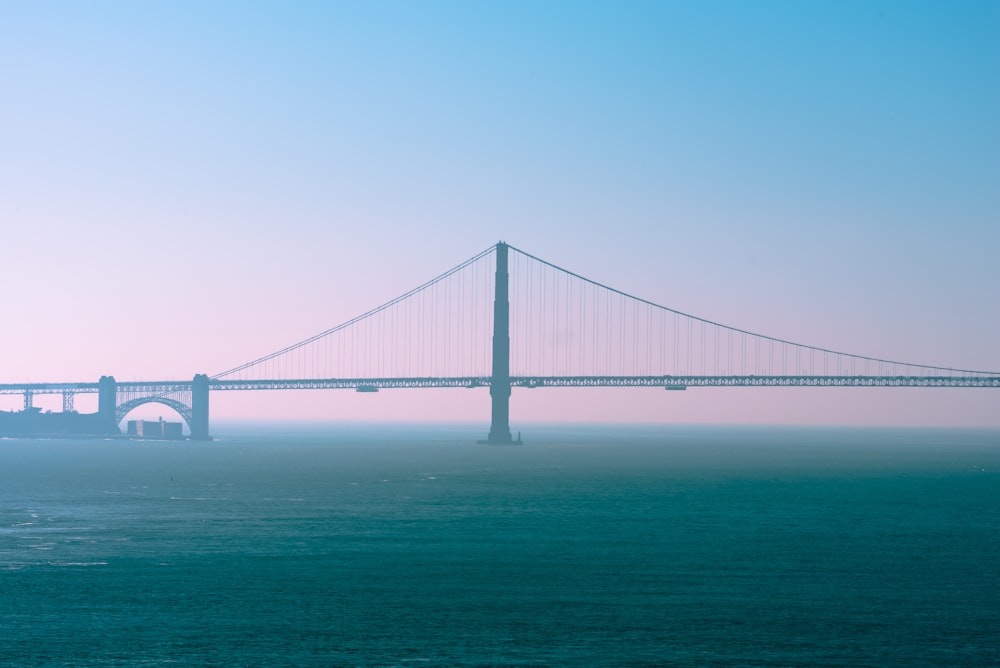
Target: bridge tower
<point x="500" y="381"/>
<point x="199" y="408"/>
<point x="107" y="401"/>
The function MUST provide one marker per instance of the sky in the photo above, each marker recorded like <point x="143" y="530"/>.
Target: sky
<point x="187" y="186"/>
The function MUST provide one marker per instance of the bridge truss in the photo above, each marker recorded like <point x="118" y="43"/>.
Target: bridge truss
<point x="176" y="394"/>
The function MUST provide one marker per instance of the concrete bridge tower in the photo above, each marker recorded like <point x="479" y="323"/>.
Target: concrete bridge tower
<point x="107" y="402"/>
<point x="500" y="381"/>
<point x="199" y="408"/>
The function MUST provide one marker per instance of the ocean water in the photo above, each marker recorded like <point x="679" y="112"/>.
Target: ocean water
<point x="606" y="546"/>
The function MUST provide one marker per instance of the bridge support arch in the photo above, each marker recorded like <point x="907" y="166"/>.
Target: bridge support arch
<point x="116" y="400"/>
<point x="178" y="405"/>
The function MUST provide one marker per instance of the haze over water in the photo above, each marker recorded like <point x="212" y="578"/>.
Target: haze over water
<point x="374" y="545"/>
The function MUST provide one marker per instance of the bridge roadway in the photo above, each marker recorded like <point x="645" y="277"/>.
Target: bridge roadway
<point x="371" y="384"/>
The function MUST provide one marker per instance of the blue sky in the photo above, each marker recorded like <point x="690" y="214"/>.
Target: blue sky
<point x="186" y="186"/>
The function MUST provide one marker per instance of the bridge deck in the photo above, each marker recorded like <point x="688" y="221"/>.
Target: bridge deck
<point x="371" y="384"/>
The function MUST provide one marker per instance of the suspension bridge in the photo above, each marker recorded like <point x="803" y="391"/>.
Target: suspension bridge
<point x="504" y="319"/>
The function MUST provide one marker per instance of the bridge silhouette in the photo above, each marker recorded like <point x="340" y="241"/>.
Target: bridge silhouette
<point x="504" y="319"/>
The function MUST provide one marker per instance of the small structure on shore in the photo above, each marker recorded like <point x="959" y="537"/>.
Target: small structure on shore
<point x="155" y="429"/>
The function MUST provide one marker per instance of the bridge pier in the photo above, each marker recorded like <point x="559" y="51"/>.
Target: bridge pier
<point x="199" y="408"/>
<point x="500" y="381"/>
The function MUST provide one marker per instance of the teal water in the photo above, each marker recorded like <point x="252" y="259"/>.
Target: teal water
<point x="371" y="546"/>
